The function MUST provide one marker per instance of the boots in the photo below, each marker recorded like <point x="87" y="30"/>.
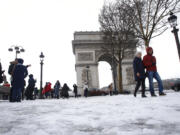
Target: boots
<point x="162" y="94"/>
<point x="134" y="94"/>
<point x="153" y="95"/>
<point x="144" y="96"/>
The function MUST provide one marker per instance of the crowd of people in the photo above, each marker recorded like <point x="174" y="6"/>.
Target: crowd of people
<point x="143" y="68"/>
<point x="148" y="63"/>
<point x="19" y="91"/>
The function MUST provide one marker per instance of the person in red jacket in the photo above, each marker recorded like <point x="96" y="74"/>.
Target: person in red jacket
<point x="47" y="89"/>
<point x="149" y="62"/>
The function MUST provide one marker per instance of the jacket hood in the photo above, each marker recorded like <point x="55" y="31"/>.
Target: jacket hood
<point x="149" y="48"/>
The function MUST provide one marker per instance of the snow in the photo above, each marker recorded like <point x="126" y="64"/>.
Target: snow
<point x="108" y="115"/>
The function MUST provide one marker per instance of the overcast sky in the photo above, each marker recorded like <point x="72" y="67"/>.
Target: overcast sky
<point x="48" y="26"/>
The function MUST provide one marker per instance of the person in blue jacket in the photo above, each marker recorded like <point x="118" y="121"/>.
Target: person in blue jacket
<point x="139" y="73"/>
<point x="19" y="74"/>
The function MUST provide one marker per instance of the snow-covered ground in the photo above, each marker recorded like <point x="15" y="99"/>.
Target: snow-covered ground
<point x="116" y="115"/>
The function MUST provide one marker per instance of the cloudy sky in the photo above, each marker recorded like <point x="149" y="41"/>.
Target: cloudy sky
<point x="48" y="26"/>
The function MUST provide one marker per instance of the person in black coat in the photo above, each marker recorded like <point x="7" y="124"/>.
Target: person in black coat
<point x="139" y="73"/>
<point x="75" y="90"/>
<point x="10" y="72"/>
<point x="19" y="74"/>
<point x="1" y="74"/>
<point x="65" y="90"/>
<point x="30" y="88"/>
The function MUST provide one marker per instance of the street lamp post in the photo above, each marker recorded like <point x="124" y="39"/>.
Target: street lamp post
<point x="87" y="72"/>
<point x="173" y="22"/>
<point x="41" y="76"/>
<point x="17" y="49"/>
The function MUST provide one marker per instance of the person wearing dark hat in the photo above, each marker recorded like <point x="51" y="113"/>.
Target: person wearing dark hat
<point x="30" y="88"/>
<point x="19" y="74"/>
<point x="150" y="64"/>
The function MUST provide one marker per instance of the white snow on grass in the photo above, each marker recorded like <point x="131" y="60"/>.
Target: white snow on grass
<point x="115" y="115"/>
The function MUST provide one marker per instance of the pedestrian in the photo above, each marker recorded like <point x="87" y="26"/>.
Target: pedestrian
<point x="19" y="74"/>
<point x="110" y="89"/>
<point x="30" y="87"/>
<point x="36" y="92"/>
<point x="75" y="90"/>
<point x="10" y="72"/>
<point x="52" y="93"/>
<point x="150" y="64"/>
<point x="57" y="87"/>
<point x="1" y="74"/>
<point x="47" y="89"/>
<point x="65" y="90"/>
<point x="85" y="90"/>
<point x="139" y="73"/>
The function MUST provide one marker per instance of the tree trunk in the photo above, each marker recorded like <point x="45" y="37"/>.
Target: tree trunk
<point x="120" y="74"/>
<point x="120" y="77"/>
<point x="146" y="41"/>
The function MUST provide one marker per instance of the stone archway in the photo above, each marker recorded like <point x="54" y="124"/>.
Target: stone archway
<point x="108" y="58"/>
<point x="87" y="48"/>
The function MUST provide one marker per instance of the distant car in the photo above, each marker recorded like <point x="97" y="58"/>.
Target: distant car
<point x="97" y="92"/>
<point x="175" y="85"/>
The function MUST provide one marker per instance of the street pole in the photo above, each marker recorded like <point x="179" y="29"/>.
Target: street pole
<point x="16" y="54"/>
<point x="17" y="49"/>
<point x="41" y="79"/>
<point x="175" y="31"/>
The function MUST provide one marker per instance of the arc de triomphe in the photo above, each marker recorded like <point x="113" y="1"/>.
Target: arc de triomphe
<point x="87" y="48"/>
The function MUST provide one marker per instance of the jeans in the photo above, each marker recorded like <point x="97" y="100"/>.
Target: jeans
<point x="151" y="75"/>
<point x="16" y="94"/>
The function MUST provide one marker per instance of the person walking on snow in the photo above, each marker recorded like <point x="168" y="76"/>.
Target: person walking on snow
<point x="19" y="74"/>
<point x="139" y="73"/>
<point x="30" y="87"/>
<point x="110" y="89"/>
<point x="75" y="90"/>
<point x="57" y="87"/>
<point x="85" y="88"/>
<point x="65" y="90"/>
<point x="150" y="64"/>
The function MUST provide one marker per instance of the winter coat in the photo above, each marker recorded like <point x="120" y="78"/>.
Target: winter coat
<point x="31" y="82"/>
<point x="19" y="74"/>
<point x="65" y="90"/>
<point x="75" y="89"/>
<point x="57" y="86"/>
<point x="138" y="67"/>
<point x="1" y="74"/>
<point x="150" y="61"/>
<point x="47" y="88"/>
<point x="30" y="88"/>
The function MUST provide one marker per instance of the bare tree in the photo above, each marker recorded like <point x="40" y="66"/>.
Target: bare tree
<point x="149" y="17"/>
<point x="118" y="33"/>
